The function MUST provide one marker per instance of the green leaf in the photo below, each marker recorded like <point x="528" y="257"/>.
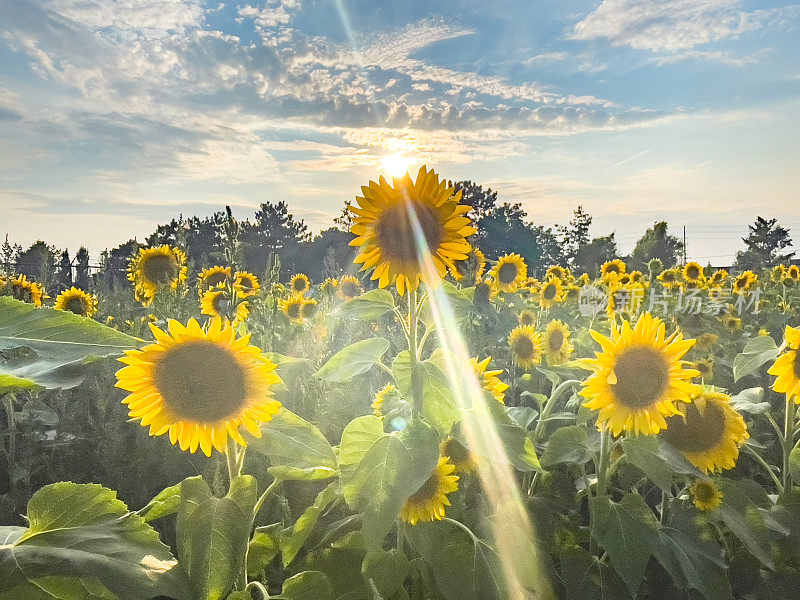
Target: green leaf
<point x="794" y="463"/>
<point x="62" y="588"/>
<point x="386" y="570"/>
<point x="751" y="401"/>
<point x="263" y="547"/>
<point x="517" y="447"/>
<point x="743" y="518"/>
<point x="756" y="353"/>
<point x="290" y="369"/>
<point x="166" y="502"/>
<point x="394" y="467"/>
<point x="658" y="460"/>
<point x="308" y="585"/>
<point x="353" y="360"/>
<point x="567" y="445"/>
<point x="358" y="436"/>
<point x="9" y="383"/>
<point x="213" y="534"/>
<point x="439" y="407"/>
<point x="368" y="306"/>
<point x="293" y="539"/>
<point x="450" y="298"/>
<point x="586" y="578"/>
<point x="83" y="532"/>
<point x="51" y="348"/>
<point x="624" y="535"/>
<point x="296" y="446"/>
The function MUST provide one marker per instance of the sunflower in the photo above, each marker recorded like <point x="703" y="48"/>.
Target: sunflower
<point x="484" y="292"/>
<point x="509" y="273"/>
<point x="154" y="268"/>
<point x="387" y="400"/>
<point x="638" y="377"/>
<point x="292" y="307"/>
<point x="246" y="284"/>
<point x="616" y="267"/>
<point x="526" y="317"/>
<point x="708" y="431"/>
<point x="481" y="259"/>
<point x="636" y="276"/>
<point x="76" y="301"/>
<point x="526" y="346"/>
<point x="744" y="281"/>
<point x="706" y="341"/>
<point x="410" y="231"/>
<point x="777" y="273"/>
<point x="489" y="379"/>
<point x="309" y="308"/>
<point x="583" y="280"/>
<point x="558" y="271"/>
<point x="793" y="272"/>
<point x="716" y="293"/>
<point x="730" y="323"/>
<point x="551" y="292"/>
<point x="706" y="368"/>
<point x="693" y="271"/>
<point x="787" y="367"/>
<point x="668" y="278"/>
<point x="349" y="287"/>
<point x="459" y="455"/>
<point x="475" y="261"/>
<point x="216" y="303"/>
<point x="200" y="386"/>
<point x="557" y="347"/>
<point x="719" y="277"/>
<point x="532" y="285"/>
<point x="23" y="289"/>
<point x="329" y="285"/>
<point x="705" y="495"/>
<point x="299" y="284"/>
<point x="428" y="502"/>
<point x="213" y="277"/>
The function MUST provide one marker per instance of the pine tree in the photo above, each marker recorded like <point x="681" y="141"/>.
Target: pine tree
<point x="764" y="244"/>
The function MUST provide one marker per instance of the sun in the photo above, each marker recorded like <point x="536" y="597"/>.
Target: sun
<point x="396" y="164"/>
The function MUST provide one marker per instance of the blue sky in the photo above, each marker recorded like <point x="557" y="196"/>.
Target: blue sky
<point x="118" y="115"/>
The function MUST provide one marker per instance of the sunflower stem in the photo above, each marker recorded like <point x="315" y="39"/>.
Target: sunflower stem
<point x="602" y="467"/>
<point x="788" y="443"/>
<point x="232" y="456"/>
<point x="548" y="407"/>
<point x="416" y="388"/>
<point x="664" y="506"/>
<point x="767" y="467"/>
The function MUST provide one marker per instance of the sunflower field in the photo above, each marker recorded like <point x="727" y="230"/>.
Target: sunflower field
<point x="429" y="426"/>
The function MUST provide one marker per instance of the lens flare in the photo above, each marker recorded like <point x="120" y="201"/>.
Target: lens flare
<point x="396" y="164"/>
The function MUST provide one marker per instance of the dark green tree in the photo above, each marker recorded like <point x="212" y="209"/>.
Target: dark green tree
<point x="764" y="244"/>
<point x="576" y="234"/>
<point x="589" y="257"/>
<point x="273" y="231"/>
<point x="8" y="253"/>
<point x="483" y="202"/>
<point x="114" y="264"/>
<point x="38" y="262"/>
<point x="82" y="268"/>
<point x="656" y="243"/>
<point x="64" y="274"/>
<point x="327" y="255"/>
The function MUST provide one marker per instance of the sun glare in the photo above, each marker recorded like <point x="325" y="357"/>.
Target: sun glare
<point x="396" y="164"/>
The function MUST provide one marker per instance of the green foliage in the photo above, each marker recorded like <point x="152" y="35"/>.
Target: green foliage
<point x="756" y="353"/>
<point x="353" y="360"/>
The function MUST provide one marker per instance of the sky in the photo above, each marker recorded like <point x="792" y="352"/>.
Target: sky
<point x="119" y="115"/>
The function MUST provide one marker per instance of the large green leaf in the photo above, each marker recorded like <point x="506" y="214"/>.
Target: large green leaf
<point x="62" y="588"/>
<point x="368" y="306"/>
<point x="567" y="445"/>
<point x="213" y="534"/>
<point x="293" y="538"/>
<point x="439" y="407"/>
<point x="308" y="585"/>
<point x="743" y="518"/>
<point x="295" y="448"/>
<point x="83" y="532"/>
<point x="658" y="460"/>
<point x="386" y="571"/>
<point x="394" y="467"/>
<point x="52" y="347"/>
<point x="358" y="436"/>
<point x="9" y="383"/>
<point x="587" y="578"/>
<point x="353" y="360"/>
<point x="758" y="351"/>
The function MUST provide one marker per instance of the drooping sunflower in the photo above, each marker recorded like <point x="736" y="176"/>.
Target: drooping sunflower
<point x="557" y="347"/>
<point x="484" y="292"/>
<point x="777" y="273"/>
<point x="216" y="303"/>
<point x="329" y="286"/>
<point x="489" y="380"/>
<point x="794" y="272"/>
<point x="718" y="278"/>
<point x="77" y="301"/>
<point x="213" y="277"/>
<point x="299" y="284"/>
<point x="693" y="271"/>
<point x="349" y="287"/>
<point x="481" y="260"/>
<point x="616" y="267"/>
<point x="386" y="400"/>
<point x="23" y="289"/>
<point x="429" y="501"/>
<point x="551" y="292"/>
<point x="526" y="317"/>
<point x="526" y="346"/>
<point x="459" y="455"/>
<point x="730" y="323"/>
<point x="583" y="280"/>
<point x="246" y="284"/>
<point x="744" y="281"/>
<point x="669" y="278"/>
<point x="509" y="273"/>
<point x="154" y="268"/>
<point x="705" y="495"/>
<point x="638" y="377"/>
<point x="200" y="386"/>
<point x="706" y="368"/>
<point x="787" y="366"/>
<point x="558" y="271"/>
<point x="708" y="431"/>
<point x="706" y="341"/>
<point x="475" y="262"/>
<point x="292" y="307"/>
<point x="410" y="231"/>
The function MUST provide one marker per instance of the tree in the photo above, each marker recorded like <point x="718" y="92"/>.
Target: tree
<point x="326" y="255"/>
<point x="656" y="243"/>
<point x="483" y="202"/>
<point x="8" y="252"/>
<point x="591" y="256"/>
<point x="764" y="244"/>
<point x="64" y="275"/>
<point x="82" y="268"/>
<point x="38" y="262"/>
<point x="576" y="234"/>
<point x="114" y="269"/>
<point x="274" y="231"/>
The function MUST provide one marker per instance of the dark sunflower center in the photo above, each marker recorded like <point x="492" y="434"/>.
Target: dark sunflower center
<point x="642" y="377"/>
<point x="740" y="283"/>
<point x="22" y="293"/>
<point x="693" y="272"/>
<point x="526" y="319"/>
<point x="308" y="310"/>
<point x="246" y="284"/>
<point x="293" y="310"/>
<point x="523" y="347"/>
<point x="218" y="303"/>
<point x="427" y="491"/>
<point x="216" y="279"/>
<point x="613" y="268"/>
<point x="201" y="381"/>
<point x="350" y="289"/>
<point x="76" y="305"/>
<point x="704" y="492"/>
<point x="669" y="277"/>
<point x="699" y="432"/>
<point x="507" y="273"/>
<point x="703" y="368"/>
<point x="397" y="234"/>
<point x="556" y="340"/>
<point x="160" y="268"/>
<point x="549" y="291"/>
<point x="456" y="452"/>
<point x="299" y="285"/>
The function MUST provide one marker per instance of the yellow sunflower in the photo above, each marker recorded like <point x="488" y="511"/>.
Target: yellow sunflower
<point x="693" y="271"/>
<point x="719" y="277"/>
<point x="509" y="273"/>
<point x="668" y="278"/>
<point x="526" y="346"/>
<point x="705" y="495"/>
<point x="299" y="284"/>
<point x="615" y="267"/>
<point x="484" y="292"/>
<point x="481" y="260"/>
<point x="309" y="309"/>
<point x="459" y="455"/>
<point x="77" y="301"/>
<point x="706" y="341"/>
<point x="246" y="284"/>
<point x="705" y="367"/>
<point x="213" y="277"/>
<point x="558" y="271"/>
<point x="25" y="290"/>
<point x="200" y="386"/>
<point x="777" y="273"/>
<point x="386" y="400"/>
<point x="583" y="280"/>
<point x="744" y="281"/>
<point x="708" y="431"/>
<point x="475" y="261"/>
<point x="551" y="292"/>
<point x="489" y="379"/>
<point x="532" y="285"/>
<point x="216" y="303"/>
<point x="794" y="272"/>
<point x="787" y="366"/>
<point x="730" y="323"/>
<point x="429" y="501"/>
<point x="636" y="276"/>
<point x="410" y="231"/>
<point x="292" y="307"/>
<point x="638" y="377"/>
<point x="526" y="317"/>
<point x="349" y="287"/>
<point x="154" y="268"/>
<point x="557" y="347"/>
